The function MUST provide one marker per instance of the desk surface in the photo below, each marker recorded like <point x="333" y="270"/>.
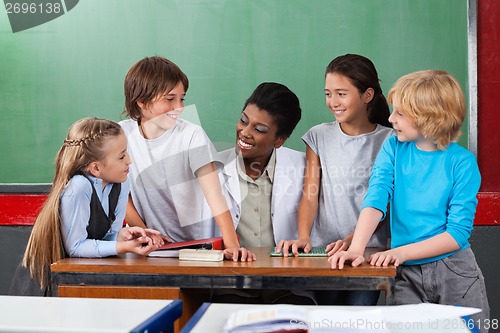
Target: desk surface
<point x="267" y="272"/>
<point x="210" y="318"/>
<point x="264" y="266"/>
<point x="54" y="314"/>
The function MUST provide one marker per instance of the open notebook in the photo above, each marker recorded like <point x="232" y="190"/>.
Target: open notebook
<point x="422" y="317"/>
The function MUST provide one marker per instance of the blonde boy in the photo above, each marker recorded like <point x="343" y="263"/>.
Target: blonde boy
<point x="431" y="183"/>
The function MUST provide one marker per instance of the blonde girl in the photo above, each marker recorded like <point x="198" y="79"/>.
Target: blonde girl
<point x="84" y="212"/>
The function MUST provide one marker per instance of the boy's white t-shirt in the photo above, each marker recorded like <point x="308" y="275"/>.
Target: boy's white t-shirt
<point x="164" y="188"/>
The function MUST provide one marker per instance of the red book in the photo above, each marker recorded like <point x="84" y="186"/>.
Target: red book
<point x="214" y="243"/>
<point x="172" y="249"/>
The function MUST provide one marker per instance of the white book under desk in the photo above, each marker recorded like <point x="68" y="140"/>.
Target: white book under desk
<point x="65" y="314"/>
<point x="415" y="318"/>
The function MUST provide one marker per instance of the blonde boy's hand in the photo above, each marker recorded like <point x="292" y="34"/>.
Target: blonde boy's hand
<point x="340" y="245"/>
<point x="239" y="253"/>
<point x="293" y="245"/>
<point x="385" y="258"/>
<point x="338" y="259"/>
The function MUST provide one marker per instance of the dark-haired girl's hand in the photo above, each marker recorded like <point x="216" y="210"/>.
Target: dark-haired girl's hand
<point x="293" y="245"/>
<point x="334" y="247"/>
<point x="239" y="253"/>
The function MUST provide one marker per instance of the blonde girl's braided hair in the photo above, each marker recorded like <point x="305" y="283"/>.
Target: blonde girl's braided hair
<point x="84" y="143"/>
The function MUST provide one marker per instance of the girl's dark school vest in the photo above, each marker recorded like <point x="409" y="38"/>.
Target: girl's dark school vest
<point x="99" y="225"/>
<point x="99" y="222"/>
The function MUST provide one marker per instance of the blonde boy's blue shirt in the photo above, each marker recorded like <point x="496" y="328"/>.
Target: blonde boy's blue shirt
<point x="430" y="193"/>
<point x="75" y="215"/>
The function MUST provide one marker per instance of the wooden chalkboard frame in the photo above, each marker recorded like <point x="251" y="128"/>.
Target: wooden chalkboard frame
<point x="472" y="74"/>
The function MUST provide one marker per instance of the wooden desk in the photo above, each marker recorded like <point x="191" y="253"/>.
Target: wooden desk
<point x="132" y="276"/>
<point x="55" y="314"/>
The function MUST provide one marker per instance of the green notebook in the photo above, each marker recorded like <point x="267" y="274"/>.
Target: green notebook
<point x="316" y="251"/>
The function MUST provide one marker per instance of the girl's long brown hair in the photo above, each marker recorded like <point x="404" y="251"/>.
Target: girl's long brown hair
<point x="363" y="75"/>
<point x="85" y="143"/>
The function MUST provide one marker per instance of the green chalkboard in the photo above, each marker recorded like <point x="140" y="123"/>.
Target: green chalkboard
<point x="73" y="66"/>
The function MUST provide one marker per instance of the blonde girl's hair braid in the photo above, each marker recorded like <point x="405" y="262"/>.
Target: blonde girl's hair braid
<point x="84" y="143"/>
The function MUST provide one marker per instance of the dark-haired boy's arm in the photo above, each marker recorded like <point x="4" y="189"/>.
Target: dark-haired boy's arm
<point x="209" y="181"/>
<point x="132" y="217"/>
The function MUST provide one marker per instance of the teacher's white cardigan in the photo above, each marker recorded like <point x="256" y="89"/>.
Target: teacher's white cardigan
<point x="286" y="193"/>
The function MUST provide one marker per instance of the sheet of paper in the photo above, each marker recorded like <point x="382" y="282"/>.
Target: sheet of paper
<point x="267" y="319"/>
<point x="327" y="320"/>
<point x="165" y="254"/>
<point x="424" y="312"/>
<point x="413" y="318"/>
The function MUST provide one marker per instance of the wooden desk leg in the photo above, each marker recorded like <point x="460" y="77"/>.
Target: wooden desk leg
<point x="192" y="299"/>
<point x="387" y="287"/>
